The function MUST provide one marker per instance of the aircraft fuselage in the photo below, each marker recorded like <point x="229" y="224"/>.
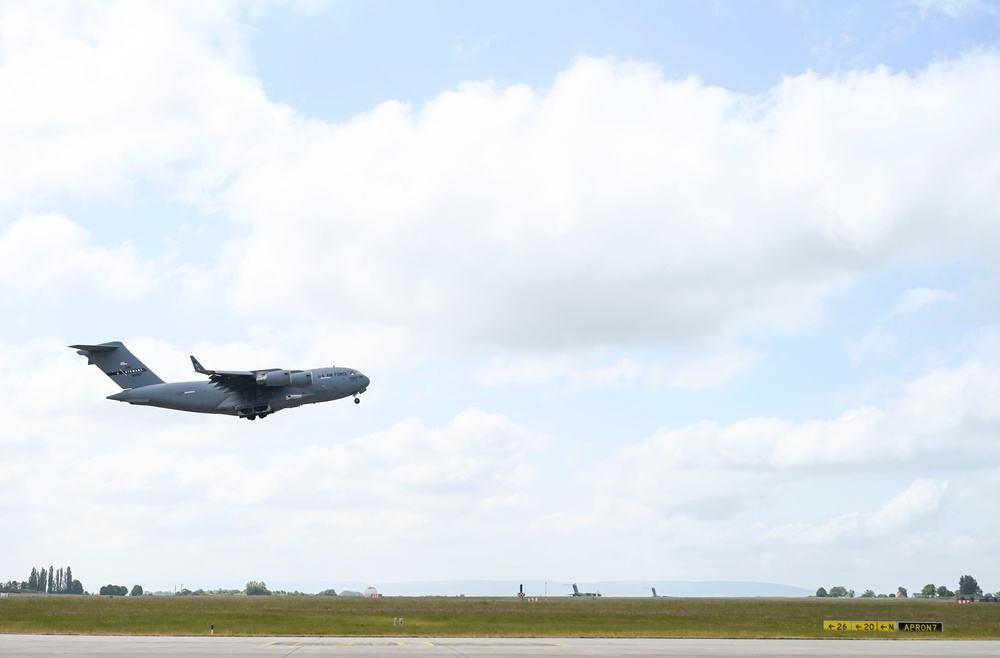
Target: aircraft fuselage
<point x="318" y="385"/>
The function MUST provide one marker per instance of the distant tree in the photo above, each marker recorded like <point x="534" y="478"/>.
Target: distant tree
<point x="136" y="591"/>
<point x="944" y="592"/>
<point x="33" y="579"/>
<point x="113" y="590"/>
<point x="850" y="593"/>
<point x="69" y="581"/>
<point x="869" y="594"/>
<point x="821" y="592"/>
<point x="327" y="592"/>
<point x="76" y="587"/>
<point x="350" y="593"/>
<point x="929" y="591"/>
<point x="901" y="593"/>
<point x="967" y="586"/>
<point x="256" y="589"/>
<point x="838" y="592"/>
<point x="51" y="585"/>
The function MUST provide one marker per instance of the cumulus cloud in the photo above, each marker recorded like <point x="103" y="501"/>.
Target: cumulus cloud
<point x="429" y="482"/>
<point x="953" y="8"/>
<point x="98" y="96"/>
<point x="713" y="371"/>
<point x="707" y="469"/>
<point x="918" y="298"/>
<point x="908" y="511"/>
<point x="613" y="208"/>
<point x="617" y="207"/>
<point x="49" y="255"/>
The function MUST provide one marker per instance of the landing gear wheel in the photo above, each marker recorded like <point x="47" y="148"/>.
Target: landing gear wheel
<point x="357" y="400"/>
<point x="251" y="417"/>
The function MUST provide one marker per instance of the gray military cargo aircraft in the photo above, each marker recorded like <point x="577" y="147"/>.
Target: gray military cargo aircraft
<point x="247" y="394"/>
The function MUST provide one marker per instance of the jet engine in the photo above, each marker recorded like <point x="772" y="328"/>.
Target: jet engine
<point x="274" y="378"/>
<point x="302" y="378"/>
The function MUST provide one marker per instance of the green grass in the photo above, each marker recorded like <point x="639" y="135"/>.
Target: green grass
<point x="481" y="617"/>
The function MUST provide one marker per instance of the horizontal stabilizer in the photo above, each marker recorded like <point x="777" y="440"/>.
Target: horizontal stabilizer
<point x="106" y="347"/>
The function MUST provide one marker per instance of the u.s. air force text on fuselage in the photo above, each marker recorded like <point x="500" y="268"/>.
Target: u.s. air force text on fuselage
<point x="244" y="393"/>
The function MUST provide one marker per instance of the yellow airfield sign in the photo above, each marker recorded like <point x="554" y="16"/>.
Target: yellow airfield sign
<point x="886" y="626"/>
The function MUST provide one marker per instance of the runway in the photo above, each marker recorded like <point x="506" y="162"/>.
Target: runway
<point x="149" y="647"/>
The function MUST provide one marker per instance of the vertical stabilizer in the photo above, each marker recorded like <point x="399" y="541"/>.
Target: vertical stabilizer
<point x="119" y="364"/>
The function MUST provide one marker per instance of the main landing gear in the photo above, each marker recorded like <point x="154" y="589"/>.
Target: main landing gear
<point x="357" y="400"/>
<point x="255" y="412"/>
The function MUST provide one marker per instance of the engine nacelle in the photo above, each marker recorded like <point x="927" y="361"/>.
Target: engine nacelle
<point x="302" y="378"/>
<point x="274" y="378"/>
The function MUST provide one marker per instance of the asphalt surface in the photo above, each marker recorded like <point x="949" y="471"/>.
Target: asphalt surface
<point x="79" y="645"/>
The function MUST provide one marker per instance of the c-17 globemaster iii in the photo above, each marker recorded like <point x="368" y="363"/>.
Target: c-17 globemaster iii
<point x="247" y="394"/>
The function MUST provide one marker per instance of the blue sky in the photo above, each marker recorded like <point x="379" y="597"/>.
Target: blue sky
<point x="349" y="57"/>
<point x="668" y="291"/>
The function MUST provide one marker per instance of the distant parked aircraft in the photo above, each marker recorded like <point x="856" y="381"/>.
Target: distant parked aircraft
<point x="243" y="393"/>
<point x="577" y="592"/>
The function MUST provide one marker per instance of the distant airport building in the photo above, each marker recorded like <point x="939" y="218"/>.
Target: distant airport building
<point x="372" y="593"/>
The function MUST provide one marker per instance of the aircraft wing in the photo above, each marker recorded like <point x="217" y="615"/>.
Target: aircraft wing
<point x="240" y="380"/>
<point x="245" y="380"/>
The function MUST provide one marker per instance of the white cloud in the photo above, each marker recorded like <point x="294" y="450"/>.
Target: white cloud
<point x="918" y="298"/>
<point x="713" y="371"/>
<point x="910" y="508"/>
<point x="97" y="96"/>
<point x="49" y="255"/>
<point x="909" y="511"/>
<point x="686" y="211"/>
<point x="953" y="8"/>
<point x="709" y="470"/>
<point x="153" y="493"/>
<point x="612" y="209"/>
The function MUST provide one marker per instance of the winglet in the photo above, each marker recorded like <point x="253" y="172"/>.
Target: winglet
<point x="198" y="367"/>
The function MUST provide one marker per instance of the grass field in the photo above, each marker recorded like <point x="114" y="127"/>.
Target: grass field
<point x="481" y="617"/>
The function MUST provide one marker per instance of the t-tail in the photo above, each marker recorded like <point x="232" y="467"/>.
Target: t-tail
<point x="119" y="364"/>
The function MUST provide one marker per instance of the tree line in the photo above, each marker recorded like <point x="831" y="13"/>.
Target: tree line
<point x="255" y="588"/>
<point x="61" y="581"/>
<point x="46" y="581"/>
<point x="967" y="586"/>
